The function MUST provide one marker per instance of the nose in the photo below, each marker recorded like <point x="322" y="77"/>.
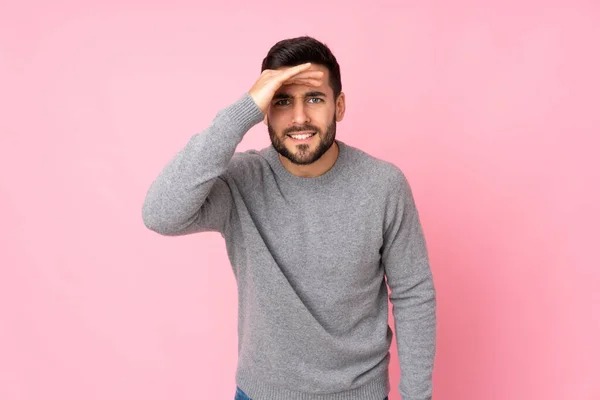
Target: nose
<point x="299" y="115"/>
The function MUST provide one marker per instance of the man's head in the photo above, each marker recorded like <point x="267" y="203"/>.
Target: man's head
<point x="297" y="109"/>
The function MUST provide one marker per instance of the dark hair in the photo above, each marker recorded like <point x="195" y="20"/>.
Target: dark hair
<point x="300" y="50"/>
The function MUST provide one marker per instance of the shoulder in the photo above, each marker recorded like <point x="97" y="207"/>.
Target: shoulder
<point x="247" y="166"/>
<point x="382" y="175"/>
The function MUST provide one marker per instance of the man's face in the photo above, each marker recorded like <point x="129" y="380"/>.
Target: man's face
<point x="302" y="120"/>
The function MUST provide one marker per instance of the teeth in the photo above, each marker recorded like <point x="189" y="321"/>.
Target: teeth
<point x="306" y="136"/>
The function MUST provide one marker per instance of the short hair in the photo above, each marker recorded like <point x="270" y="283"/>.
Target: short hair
<point x="304" y="49"/>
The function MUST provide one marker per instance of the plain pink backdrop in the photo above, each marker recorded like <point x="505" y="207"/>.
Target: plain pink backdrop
<point x="490" y="108"/>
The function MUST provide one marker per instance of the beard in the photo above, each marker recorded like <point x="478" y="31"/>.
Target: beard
<point x="303" y="155"/>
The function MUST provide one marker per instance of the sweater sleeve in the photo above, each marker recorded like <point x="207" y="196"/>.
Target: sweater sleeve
<point x="412" y="292"/>
<point x="190" y="194"/>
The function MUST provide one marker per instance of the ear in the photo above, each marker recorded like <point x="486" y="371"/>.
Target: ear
<point x="340" y="107"/>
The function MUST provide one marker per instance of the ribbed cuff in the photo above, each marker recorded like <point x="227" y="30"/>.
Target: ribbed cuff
<point x="243" y="114"/>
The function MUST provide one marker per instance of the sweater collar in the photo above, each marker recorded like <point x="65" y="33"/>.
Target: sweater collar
<point x="272" y="158"/>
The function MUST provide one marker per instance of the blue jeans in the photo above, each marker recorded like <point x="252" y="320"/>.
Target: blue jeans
<point x="240" y="395"/>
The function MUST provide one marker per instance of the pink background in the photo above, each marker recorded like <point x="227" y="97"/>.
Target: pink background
<point x="491" y="110"/>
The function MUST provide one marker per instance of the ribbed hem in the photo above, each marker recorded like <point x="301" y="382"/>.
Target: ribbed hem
<point x="376" y="389"/>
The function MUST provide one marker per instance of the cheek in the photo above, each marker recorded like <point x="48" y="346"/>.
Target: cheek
<point x="276" y="123"/>
<point x="323" y="118"/>
<point x="319" y="116"/>
<point x="276" y="116"/>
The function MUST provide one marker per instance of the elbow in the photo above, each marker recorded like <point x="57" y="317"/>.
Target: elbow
<point x="152" y="222"/>
<point x="162" y="224"/>
<point x="155" y="222"/>
<point x="155" y="225"/>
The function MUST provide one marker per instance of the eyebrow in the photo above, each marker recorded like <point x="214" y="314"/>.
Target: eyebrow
<point x="308" y="94"/>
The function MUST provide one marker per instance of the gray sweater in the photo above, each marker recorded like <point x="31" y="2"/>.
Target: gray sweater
<point x="311" y="257"/>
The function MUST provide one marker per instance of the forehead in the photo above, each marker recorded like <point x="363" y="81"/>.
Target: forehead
<point x="296" y="90"/>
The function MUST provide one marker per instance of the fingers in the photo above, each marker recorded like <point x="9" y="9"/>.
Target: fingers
<point x="306" y="82"/>
<point x="309" y="78"/>
<point x="289" y="72"/>
<point x="309" y="74"/>
<point x="300" y="71"/>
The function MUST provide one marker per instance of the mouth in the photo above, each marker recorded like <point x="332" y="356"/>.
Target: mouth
<point x="301" y="136"/>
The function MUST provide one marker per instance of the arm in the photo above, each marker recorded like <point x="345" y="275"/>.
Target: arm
<point x="413" y="295"/>
<point x="189" y="194"/>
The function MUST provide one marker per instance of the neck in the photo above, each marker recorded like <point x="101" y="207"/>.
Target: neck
<point x="318" y="168"/>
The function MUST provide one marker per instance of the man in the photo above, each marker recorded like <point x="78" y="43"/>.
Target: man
<point x="313" y="228"/>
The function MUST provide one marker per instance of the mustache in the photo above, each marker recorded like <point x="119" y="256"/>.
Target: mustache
<point x="301" y="128"/>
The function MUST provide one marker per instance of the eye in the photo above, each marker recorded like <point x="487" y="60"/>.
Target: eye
<point x="282" y="102"/>
<point x="316" y="100"/>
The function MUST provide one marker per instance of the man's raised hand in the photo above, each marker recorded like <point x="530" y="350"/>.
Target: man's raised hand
<point x="270" y="81"/>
